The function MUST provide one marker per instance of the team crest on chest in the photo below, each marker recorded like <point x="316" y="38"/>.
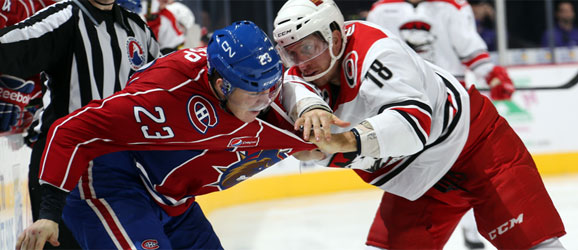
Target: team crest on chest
<point x="136" y="56"/>
<point x="350" y="68"/>
<point x="202" y="114"/>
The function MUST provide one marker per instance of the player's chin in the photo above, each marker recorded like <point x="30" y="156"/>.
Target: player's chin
<point x="249" y="116"/>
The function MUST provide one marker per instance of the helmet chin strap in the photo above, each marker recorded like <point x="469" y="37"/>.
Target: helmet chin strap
<point x="315" y="77"/>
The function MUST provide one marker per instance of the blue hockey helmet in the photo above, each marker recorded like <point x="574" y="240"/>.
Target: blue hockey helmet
<point x="132" y="5"/>
<point x="245" y="58"/>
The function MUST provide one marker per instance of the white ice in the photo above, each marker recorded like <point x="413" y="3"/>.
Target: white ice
<point x="341" y="220"/>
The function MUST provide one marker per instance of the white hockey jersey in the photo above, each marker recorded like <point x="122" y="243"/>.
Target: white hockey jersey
<point x="419" y="111"/>
<point x="441" y="31"/>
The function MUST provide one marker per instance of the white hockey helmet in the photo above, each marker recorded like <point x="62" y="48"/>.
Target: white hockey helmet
<point x="298" y="19"/>
<point x="182" y="13"/>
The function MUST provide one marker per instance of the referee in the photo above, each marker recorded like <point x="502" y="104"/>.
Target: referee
<point x="87" y="49"/>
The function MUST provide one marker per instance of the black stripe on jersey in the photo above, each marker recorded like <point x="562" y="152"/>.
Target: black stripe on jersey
<point x="81" y="65"/>
<point x="85" y="11"/>
<point x="116" y="53"/>
<point x="413" y="125"/>
<point x="421" y="105"/>
<point x="447" y="111"/>
<point x="445" y="134"/>
<point x="97" y="62"/>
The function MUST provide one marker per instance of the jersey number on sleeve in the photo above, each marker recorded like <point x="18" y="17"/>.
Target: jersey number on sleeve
<point x="378" y="73"/>
<point x="195" y="54"/>
<point x="6" y="6"/>
<point x="160" y="118"/>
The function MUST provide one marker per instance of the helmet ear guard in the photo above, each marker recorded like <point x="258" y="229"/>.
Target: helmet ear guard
<point x="226" y="88"/>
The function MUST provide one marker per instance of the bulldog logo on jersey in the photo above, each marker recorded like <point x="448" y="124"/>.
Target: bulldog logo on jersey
<point x="248" y="164"/>
<point x="202" y="114"/>
<point x="135" y="52"/>
<point x="418" y="36"/>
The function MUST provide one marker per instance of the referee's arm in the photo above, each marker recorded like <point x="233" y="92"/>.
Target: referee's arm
<point x="37" y="43"/>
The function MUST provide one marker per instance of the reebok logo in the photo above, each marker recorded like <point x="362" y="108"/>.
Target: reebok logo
<point x="15" y="96"/>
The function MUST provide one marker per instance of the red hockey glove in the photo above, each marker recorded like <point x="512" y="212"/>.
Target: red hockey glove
<point x="14" y="96"/>
<point x="501" y="86"/>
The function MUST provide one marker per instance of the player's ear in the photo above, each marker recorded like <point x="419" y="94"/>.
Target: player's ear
<point x="336" y="40"/>
<point x="219" y="87"/>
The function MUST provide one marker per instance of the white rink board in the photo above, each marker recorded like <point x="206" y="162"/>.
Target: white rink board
<point x="14" y="202"/>
<point x="544" y="118"/>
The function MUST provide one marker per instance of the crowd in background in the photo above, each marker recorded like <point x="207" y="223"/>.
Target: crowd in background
<point x="526" y="20"/>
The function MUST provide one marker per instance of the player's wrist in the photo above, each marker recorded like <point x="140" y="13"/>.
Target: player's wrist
<point x="366" y="137"/>
<point x="347" y="142"/>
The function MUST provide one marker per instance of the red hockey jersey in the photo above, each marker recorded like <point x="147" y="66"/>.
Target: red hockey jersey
<point x="167" y="105"/>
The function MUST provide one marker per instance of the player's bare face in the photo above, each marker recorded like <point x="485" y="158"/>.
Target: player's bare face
<point x="246" y="105"/>
<point x="310" y="54"/>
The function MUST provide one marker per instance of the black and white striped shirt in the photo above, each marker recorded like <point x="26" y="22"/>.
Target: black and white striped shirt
<point x="85" y="52"/>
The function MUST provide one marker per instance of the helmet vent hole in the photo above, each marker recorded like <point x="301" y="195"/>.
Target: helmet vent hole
<point x="299" y="26"/>
<point x="254" y="84"/>
<point x="284" y="21"/>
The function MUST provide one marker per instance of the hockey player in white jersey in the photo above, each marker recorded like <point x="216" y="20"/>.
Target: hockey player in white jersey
<point x="436" y="148"/>
<point x="443" y="32"/>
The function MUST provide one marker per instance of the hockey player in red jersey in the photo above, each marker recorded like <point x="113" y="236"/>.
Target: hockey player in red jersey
<point x="444" y="33"/>
<point x="436" y="148"/>
<point x="203" y="102"/>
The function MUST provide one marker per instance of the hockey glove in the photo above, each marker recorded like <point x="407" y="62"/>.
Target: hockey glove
<point x="501" y="86"/>
<point x="14" y="96"/>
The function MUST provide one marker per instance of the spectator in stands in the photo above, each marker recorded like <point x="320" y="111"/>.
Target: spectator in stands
<point x="564" y="33"/>
<point x="484" y="14"/>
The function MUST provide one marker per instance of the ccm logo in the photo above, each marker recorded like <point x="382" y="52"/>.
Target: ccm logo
<point x="506" y="226"/>
<point x="283" y="33"/>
